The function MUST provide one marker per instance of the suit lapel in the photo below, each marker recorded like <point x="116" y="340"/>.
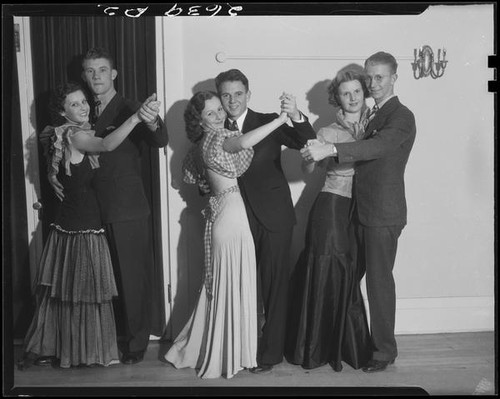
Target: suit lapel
<point x="379" y="119"/>
<point x="251" y="121"/>
<point x="106" y="118"/>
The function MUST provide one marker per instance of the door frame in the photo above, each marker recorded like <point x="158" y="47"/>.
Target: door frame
<point x="164" y="179"/>
<point x="22" y="37"/>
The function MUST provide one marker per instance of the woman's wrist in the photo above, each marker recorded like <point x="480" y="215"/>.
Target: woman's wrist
<point x="134" y="119"/>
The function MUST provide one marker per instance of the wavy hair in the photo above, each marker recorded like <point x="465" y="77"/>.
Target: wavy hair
<point x="99" y="52"/>
<point x="57" y="98"/>
<point x="192" y="114"/>
<point x="347" y="74"/>
<point x="232" y="75"/>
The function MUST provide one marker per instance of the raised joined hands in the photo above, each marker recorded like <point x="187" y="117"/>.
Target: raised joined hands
<point x="149" y="110"/>
<point x="289" y="105"/>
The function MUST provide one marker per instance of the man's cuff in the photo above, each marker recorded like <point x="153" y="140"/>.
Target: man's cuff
<point x="301" y="120"/>
<point x="154" y="125"/>
<point x="333" y="150"/>
<point x="334" y="153"/>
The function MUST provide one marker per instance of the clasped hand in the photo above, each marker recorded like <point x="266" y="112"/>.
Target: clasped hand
<point x="315" y="150"/>
<point x="149" y="110"/>
<point x="289" y="105"/>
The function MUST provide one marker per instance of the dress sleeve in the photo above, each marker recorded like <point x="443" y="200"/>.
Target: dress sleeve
<point x="228" y="164"/>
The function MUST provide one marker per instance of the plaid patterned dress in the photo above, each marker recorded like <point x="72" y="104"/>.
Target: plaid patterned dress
<point x="220" y="337"/>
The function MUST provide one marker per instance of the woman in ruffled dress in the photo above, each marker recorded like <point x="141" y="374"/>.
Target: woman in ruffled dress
<point x="327" y="320"/>
<point x="74" y="324"/>
<point x="220" y="337"/>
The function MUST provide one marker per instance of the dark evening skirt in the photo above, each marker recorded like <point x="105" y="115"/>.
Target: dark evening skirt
<point x="327" y="319"/>
<point x="74" y="320"/>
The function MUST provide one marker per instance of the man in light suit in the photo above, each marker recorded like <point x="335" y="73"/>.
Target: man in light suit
<point x="269" y="205"/>
<point x="380" y="212"/>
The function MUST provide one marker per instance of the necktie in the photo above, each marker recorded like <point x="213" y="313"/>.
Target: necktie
<point x="95" y="111"/>
<point x="232" y="125"/>
<point x="372" y="112"/>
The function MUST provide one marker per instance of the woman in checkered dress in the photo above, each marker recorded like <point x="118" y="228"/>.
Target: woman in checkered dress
<point x="220" y="338"/>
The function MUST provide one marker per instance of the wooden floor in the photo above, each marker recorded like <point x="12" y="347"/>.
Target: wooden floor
<point x="439" y="364"/>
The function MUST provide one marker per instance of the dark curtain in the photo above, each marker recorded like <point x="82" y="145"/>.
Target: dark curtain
<point x="58" y="45"/>
<point x="18" y="306"/>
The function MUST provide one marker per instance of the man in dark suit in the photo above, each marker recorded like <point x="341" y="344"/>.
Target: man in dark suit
<point x="124" y="207"/>
<point x="269" y="205"/>
<point x="380" y="204"/>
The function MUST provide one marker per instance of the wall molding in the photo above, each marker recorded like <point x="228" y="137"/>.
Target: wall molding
<point x="222" y="57"/>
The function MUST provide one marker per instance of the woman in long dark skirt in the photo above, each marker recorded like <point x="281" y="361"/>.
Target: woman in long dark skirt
<point x="327" y="319"/>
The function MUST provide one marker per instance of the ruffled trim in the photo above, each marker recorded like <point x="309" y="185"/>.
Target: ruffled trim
<point x="58" y="148"/>
<point x="89" y="231"/>
<point x="356" y="129"/>
<point x="77" y="268"/>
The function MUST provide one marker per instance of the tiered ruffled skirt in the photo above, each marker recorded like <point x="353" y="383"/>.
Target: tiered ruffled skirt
<point x="74" y="319"/>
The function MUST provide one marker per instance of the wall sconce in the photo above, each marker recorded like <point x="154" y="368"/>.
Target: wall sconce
<point x="424" y="64"/>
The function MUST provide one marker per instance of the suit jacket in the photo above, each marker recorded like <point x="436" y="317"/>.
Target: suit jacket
<point x="264" y="186"/>
<point x="381" y="158"/>
<point x="118" y="181"/>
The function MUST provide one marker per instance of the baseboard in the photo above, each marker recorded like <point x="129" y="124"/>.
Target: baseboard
<point x="443" y="315"/>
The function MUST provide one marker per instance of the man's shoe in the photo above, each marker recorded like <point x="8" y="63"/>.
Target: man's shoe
<point x="44" y="361"/>
<point x="132" y="357"/>
<point x="262" y="369"/>
<point x="377" y="365"/>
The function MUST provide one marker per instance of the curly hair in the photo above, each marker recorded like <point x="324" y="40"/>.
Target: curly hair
<point x="347" y="74"/>
<point x="57" y="98"/>
<point x="192" y="114"/>
<point x="232" y="75"/>
<point x="99" y="52"/>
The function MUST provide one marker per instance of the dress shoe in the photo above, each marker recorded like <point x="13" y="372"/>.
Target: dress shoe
<point x="262" y="369"/>
<point x="44" y="361"/>
<point x="132" y="357"/>
<point x="377" y="365"/>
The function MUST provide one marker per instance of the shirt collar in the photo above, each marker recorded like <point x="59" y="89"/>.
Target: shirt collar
<point x="241" y="119"/>
<point x="105" y="100"/>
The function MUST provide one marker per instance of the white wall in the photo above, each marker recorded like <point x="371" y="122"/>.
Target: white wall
<point x="445" y="264"/>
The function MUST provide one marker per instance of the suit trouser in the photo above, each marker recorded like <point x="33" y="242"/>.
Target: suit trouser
<point x="376" y="256"/>
<point x="132" y="257"/>
<point x="273" y="269"/>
